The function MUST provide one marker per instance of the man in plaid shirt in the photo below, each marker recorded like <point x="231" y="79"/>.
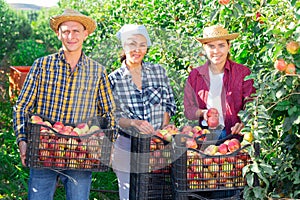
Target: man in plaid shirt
<point x="68" y="87"/>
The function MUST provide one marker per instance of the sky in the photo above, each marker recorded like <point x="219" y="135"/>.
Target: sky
<point x="45" y="3"/>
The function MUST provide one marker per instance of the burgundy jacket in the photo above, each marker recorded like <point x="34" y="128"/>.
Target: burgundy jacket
<point x="234" y="93"/>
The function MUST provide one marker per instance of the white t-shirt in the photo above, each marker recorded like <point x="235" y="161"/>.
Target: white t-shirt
<point x="214" y="94"/>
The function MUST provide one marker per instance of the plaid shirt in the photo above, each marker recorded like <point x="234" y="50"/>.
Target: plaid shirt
<point x="151" y="102"/>
<point x="53" y="90"/>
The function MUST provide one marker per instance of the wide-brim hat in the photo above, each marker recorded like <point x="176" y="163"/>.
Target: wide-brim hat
<point x="73" y="15"/>
<point x="216" y="32"/>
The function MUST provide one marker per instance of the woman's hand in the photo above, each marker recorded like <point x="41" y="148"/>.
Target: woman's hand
<point x="236" y="129"/>
<point x="143" y="126"/>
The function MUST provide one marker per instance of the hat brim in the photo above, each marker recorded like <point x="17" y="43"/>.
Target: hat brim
<point x="224" y="37"/>
<point x="87" y="22"/>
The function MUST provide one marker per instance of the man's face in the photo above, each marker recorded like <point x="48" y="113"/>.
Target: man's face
<point x="72" y="35"/>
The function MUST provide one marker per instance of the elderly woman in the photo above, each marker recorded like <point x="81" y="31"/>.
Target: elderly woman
<point x="143" y="96"/>
<point x="220" y="83"/>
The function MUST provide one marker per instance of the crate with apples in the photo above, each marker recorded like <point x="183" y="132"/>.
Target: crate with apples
<point x="82" y="146"/>
<point x="151" y="175"/>
<point x="217" y="167"/>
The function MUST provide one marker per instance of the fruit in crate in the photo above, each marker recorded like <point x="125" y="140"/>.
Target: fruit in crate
<point x="35" y="119"/>
<point x="223" y="149"/>
<point x="220" y="159"/>
<point x="187" y="130"/>
<point x="211" y="150"/>
<point x="213" y="168"/>
<point x="58" y="126"/>
<point x="93" y="129"/>
<point x="233" y="145"/>
<point x="191" y="143"/>
<point x="81" y="128"/>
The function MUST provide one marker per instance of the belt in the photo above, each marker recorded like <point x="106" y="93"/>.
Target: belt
<point x="123" y="134"/>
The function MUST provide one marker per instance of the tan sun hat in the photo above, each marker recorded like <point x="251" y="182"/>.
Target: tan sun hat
<point x="73" y="15"/>
<point x="216" y="32"/>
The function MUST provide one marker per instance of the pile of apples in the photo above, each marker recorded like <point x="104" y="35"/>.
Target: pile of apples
<point x="217" y="166"/>
<point x="160" y="149"/>
<point x="74" y="147"/>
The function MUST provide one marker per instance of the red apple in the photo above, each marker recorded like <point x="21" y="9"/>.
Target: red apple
<point x="234" y="144"/>
<point x="207" y="161"/>
<point x="72" y="144"/>
<point x="93" y="146"/>
<point x="191" y="143"/>
<point x="62" y="142"/>
<point x="290" y="68"/>
<point x="87" y="164"/>
<point x="81" y="157"/>
<point x="220" y="159"/>
<point x="223" y="2"/>
<point x="43" y="144"/>
<point x="213" y="121"/>
<point x="239" y="164"/>
<point x="58" y="125"/>
<point x="73" y="163"/>
<point x="83" y="127"/>
<point x="82" y="146"/>
<point x="48" y="162"/>
<point x="212" y="112"/>
<point x="60" y="163"/>
<point x="34" y="119"/>
<point x="159" y="135"/>
<point x="280" y="64"/>
<point x="223" y="149"/>
<point x="231" y="159"/>
<point x="44" y="154"/>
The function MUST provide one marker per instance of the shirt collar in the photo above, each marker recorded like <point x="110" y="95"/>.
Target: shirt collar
<point x="203" y="70"/>
<point x="126" y="72"/>
<point x="81" y="62"/>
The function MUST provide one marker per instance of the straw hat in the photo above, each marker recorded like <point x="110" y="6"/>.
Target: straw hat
<point x="73" y="15"/>
<point x="216" y="32"/>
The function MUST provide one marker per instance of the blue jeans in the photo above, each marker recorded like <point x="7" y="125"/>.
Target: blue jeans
<point x="42" y="184"/>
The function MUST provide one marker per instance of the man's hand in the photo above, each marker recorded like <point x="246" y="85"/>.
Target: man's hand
<point x="22" y="148"/>
<point x="236" y="129"/>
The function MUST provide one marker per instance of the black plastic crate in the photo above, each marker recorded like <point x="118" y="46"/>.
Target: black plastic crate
<point x="51" y="147"/>
<point x="150" y="169"/>
<point x="193" y="171"/>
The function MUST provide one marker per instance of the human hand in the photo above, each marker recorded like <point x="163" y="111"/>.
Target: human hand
<point x="22" y="148"/>
<point x="236" y="129"/>
<point x="143" y="126"/>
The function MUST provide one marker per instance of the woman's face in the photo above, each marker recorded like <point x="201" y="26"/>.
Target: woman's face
<point x="217" y="51"/>
<point x="135" y="48"/>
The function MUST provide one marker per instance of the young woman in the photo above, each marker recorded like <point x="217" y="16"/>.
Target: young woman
<point x="220" y="83"/>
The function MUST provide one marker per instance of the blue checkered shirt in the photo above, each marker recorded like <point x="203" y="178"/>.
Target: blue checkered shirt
<point x="151" y="102"/>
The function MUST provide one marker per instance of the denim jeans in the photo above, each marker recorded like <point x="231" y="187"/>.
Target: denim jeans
<point x="42" y="184"/>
